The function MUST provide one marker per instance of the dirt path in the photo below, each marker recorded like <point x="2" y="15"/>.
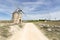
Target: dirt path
<point x="29" y="32"/>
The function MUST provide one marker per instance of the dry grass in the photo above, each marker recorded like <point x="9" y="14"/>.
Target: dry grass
<point x="4" y="32"/>
<point x="50" y="29"/>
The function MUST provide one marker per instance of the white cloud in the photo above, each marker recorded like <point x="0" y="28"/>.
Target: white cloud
<point x="49" y="16"/>
<point x="28" y="8"/>
<point x="35" y="16"/>
<point x="34" y="3"/>
<point x="55" y="15"/>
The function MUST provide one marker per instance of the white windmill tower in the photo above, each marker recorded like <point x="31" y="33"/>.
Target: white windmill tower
<point x="17" y="16"/>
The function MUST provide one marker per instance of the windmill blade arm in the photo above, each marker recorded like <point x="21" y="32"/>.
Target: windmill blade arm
<point x="22" y="12"/>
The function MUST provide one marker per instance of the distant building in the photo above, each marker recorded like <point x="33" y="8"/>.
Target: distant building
<point x="16" y="18"/>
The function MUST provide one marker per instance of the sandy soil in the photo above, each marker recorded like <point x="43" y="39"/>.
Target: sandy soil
<point x="29" y="32"/>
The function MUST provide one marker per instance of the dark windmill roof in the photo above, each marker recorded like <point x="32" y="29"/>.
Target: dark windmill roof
<point x="17" y="11"/>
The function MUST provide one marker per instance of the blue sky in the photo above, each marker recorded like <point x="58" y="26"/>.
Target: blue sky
<point x="33" y="9"/>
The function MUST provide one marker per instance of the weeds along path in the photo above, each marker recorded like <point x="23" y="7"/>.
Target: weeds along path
<point x="29" y="32"/>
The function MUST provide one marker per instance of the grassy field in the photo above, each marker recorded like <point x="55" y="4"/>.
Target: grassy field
<point x="4" y="32"/>
<point x="50" y="28"/>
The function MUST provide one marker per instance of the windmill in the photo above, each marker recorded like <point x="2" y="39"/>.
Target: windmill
<point x="17" y="16"/>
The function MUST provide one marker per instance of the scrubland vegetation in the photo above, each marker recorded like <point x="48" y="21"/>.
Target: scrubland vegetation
<point x="4" y="32"/>
<point x="50" y="28"/>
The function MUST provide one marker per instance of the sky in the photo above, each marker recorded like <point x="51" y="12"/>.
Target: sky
<point x="33" y="9"/>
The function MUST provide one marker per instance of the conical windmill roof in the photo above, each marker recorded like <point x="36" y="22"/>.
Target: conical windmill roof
<point x="18" y="11"/>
